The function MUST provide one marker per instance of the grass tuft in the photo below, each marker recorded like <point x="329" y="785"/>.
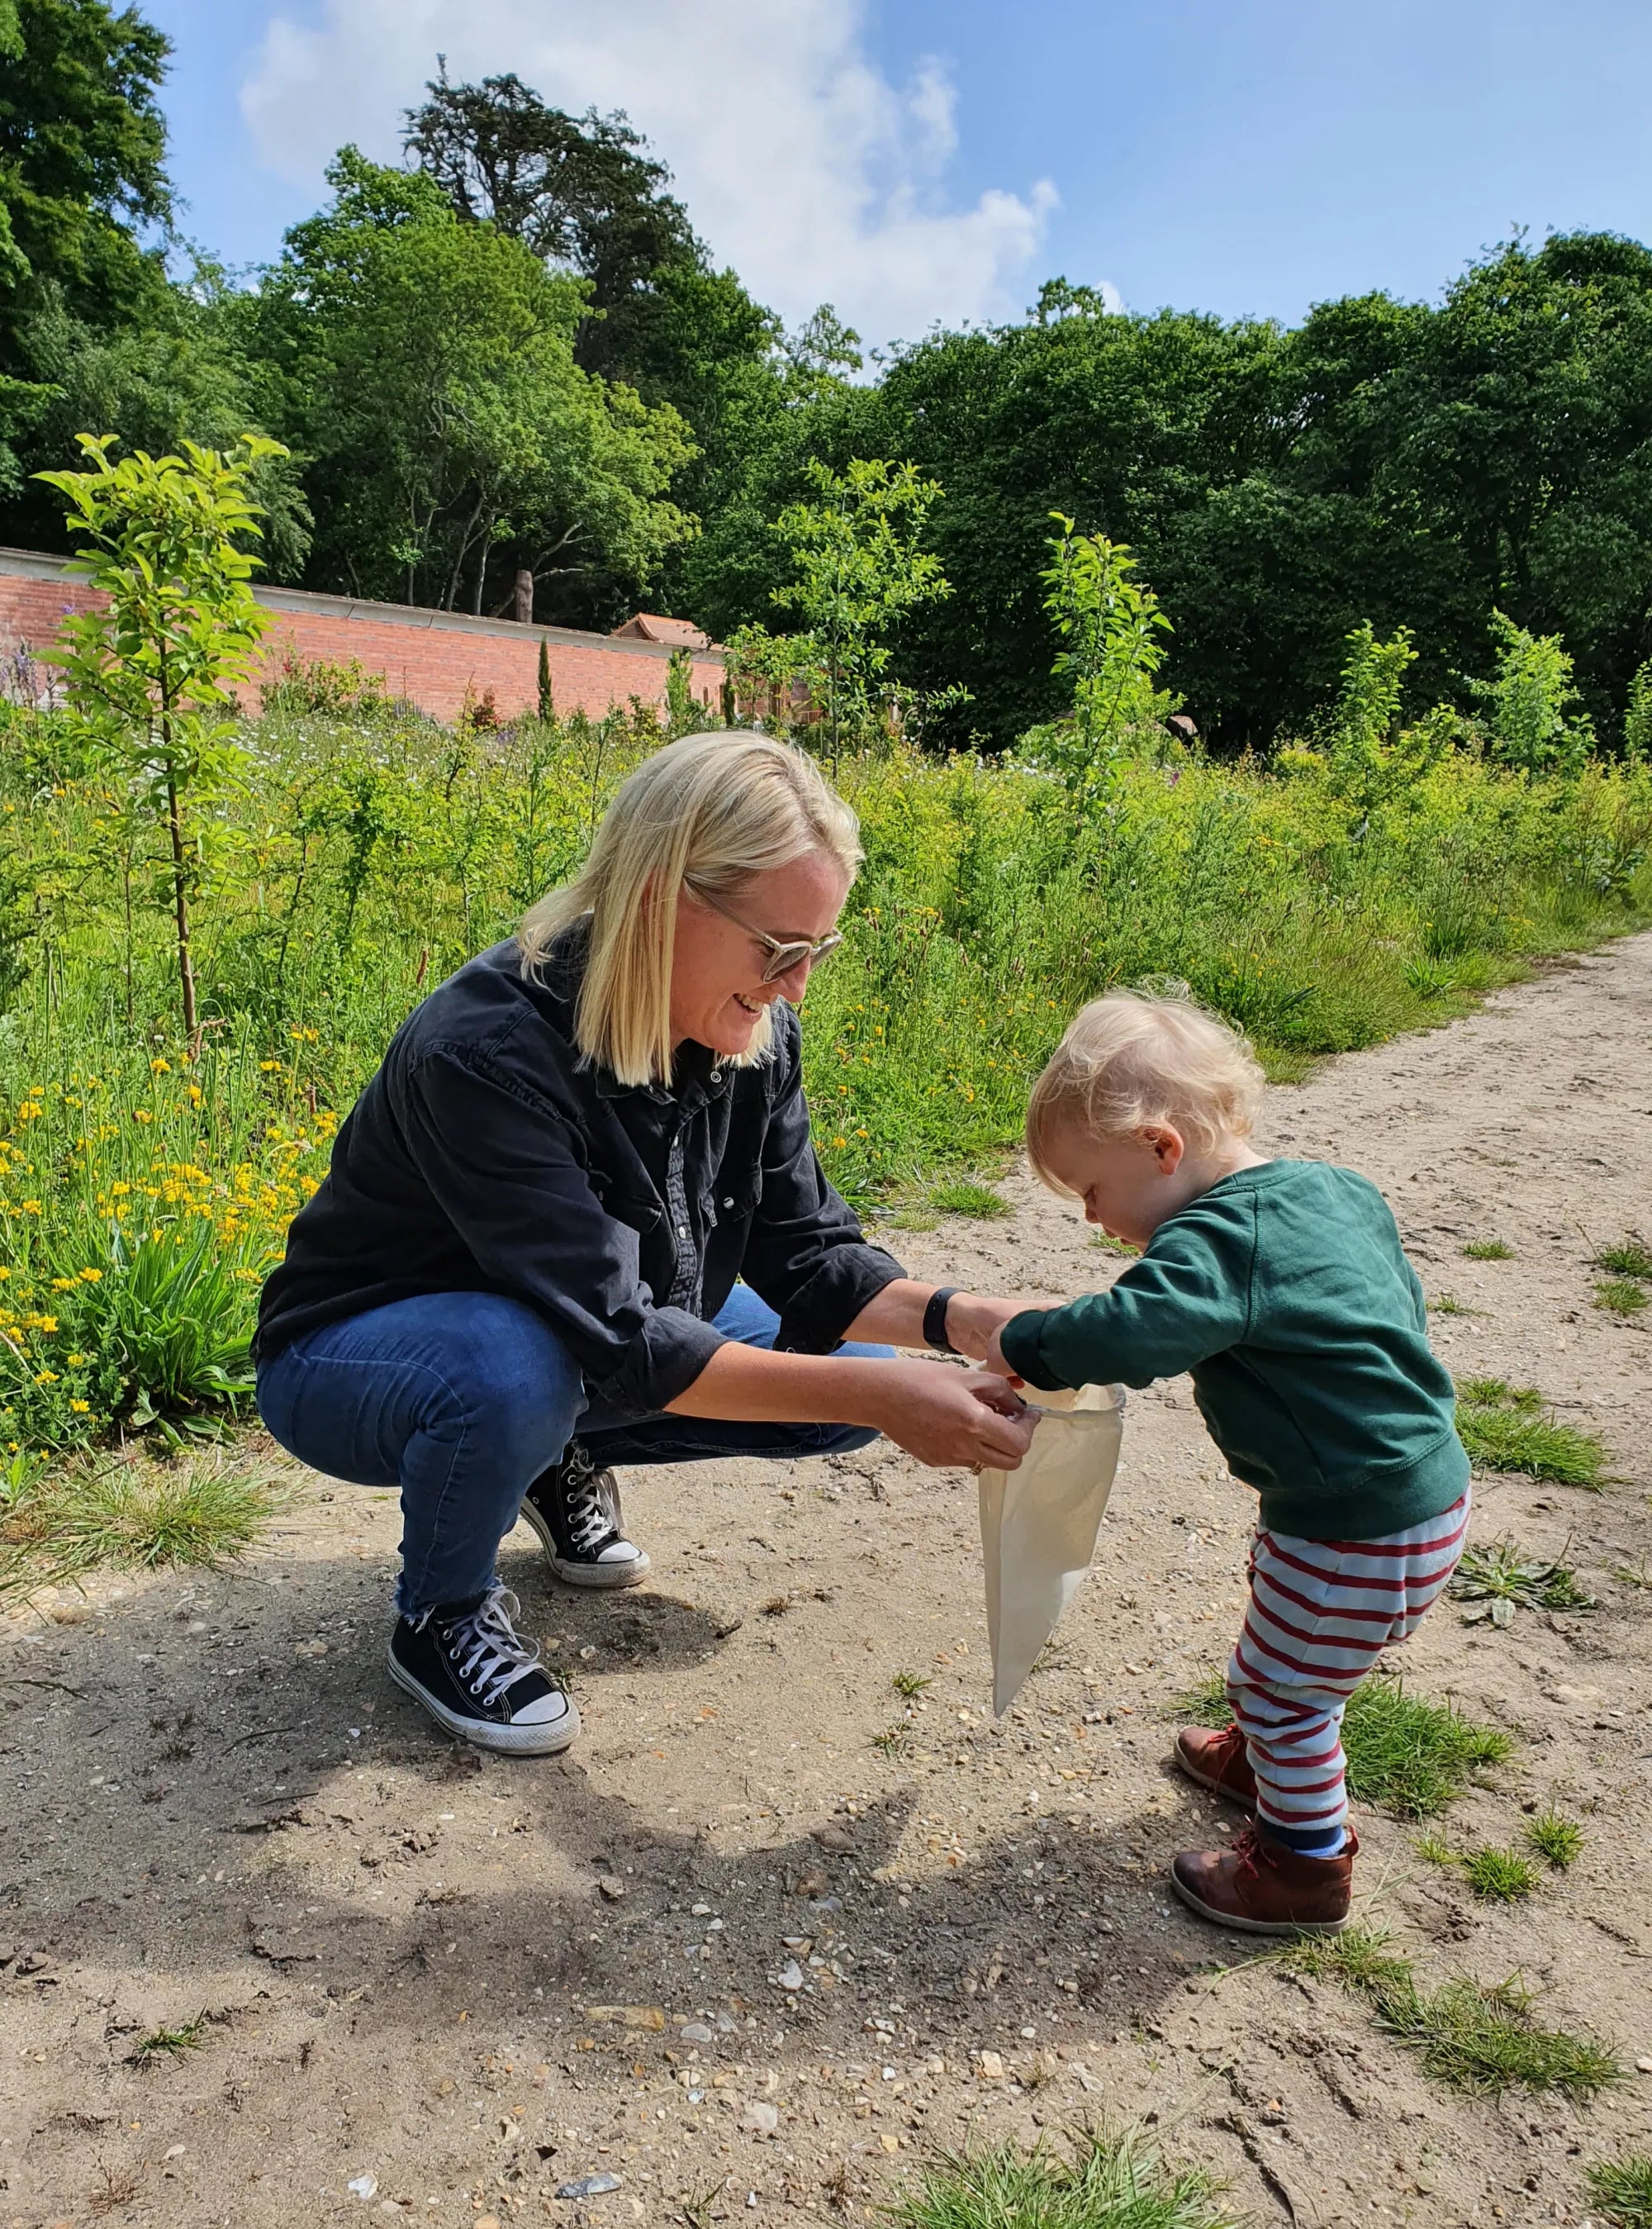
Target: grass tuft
<point x="961" y="1195"/>
<point x="169" y="2042"/>
<point x="1483" y="2040"/>
<point x="893" y="1739"/>
<point x="1488" y="1250"/>
<point x="1405" y="1755"/>
<point x="1449" y="1305"/>
<point x="1632" y="1258"/>
<point x="1558" y="1841"/>
<point x="133" y="1514"/>
<point x="1110" y="2182"/>
<point x="911" y="1684"/>
<point x="1505" y="1428"/>
<point x="1500" y="1876"/>
<point x="1500" y="1579"/>
<point x="1622" y="1296"/>
<point x="1622" y="2189"/>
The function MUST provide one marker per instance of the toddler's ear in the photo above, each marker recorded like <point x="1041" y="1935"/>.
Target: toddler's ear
<point x="1169" y="1146"/>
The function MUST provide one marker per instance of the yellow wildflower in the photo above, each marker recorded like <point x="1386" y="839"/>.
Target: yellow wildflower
<point x="91" y="1276"/>
<point x="160" y="1068"/>
<point x="81" y="1408"/>
<point x="75" y="1360"/>
<point x="46" y="1378"/>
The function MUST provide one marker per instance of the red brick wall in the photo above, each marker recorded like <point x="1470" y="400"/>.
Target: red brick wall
<point x="433" y="658"/>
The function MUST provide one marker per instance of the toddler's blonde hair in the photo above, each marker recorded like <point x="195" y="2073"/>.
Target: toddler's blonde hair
<point x="1129" y="1060"/>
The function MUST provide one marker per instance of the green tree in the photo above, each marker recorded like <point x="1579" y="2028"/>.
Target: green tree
<point x="859" y="566"/>
<point x="1110" y="627"/>
<point x="1637" y="718"/>
<point x="152" y="672"/>
<point x="1530" y="704"/>
<point x="82" y="148"/>
<point x="1371" y="759"/>
<point x="427" y="369"/>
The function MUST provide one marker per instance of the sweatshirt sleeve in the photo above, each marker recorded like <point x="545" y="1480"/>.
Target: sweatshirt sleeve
<point x="1187" y="1298"/>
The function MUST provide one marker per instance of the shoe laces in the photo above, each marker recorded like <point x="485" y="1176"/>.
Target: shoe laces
<point x="1250" y="1854"/>
<point x="589" y="1502"/>
<point x="488" y="1652"/>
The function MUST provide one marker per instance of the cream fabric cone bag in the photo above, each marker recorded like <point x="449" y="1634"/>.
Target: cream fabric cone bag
<point x="1038" y="1525"/>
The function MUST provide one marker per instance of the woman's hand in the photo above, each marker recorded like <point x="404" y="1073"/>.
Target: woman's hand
<point x="947" y="1416"/>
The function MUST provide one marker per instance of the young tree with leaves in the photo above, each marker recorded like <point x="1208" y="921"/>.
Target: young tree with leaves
<point x="1110" y="627"/>
<point x="856" y="553"/>
<point x="151" y="672"/>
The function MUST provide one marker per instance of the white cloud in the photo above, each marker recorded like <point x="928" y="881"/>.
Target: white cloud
<point x="800" y="163"/>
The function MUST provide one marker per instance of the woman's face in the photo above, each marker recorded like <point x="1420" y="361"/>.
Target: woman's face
<point x="718" y="994"/>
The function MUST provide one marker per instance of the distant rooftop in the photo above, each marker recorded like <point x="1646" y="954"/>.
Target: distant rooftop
<point x="680" y="635"/>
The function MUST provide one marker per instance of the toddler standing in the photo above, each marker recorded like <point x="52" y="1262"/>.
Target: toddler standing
<point x="1281" y="1287"/>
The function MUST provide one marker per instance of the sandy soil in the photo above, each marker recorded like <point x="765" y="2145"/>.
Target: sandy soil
<point x="215" y="1802"/>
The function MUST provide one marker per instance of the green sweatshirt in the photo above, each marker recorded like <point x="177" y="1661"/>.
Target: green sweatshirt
<point x="1284" y="1293"/>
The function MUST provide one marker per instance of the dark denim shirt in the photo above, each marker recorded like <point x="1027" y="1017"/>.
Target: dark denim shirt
<point x="485" y="1156"/>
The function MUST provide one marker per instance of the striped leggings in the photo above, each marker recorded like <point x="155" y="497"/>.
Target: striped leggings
<point x="1320" y="1613"/>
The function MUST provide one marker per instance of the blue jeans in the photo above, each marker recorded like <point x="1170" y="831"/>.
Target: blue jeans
<point x="463" y="1399"/>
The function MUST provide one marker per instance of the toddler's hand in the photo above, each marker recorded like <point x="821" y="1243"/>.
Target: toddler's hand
<point x="994" y="1359"/>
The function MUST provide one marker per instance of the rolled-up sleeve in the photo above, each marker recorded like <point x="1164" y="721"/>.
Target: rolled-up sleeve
<point x="806" y="1254"/>
<point x="518" y="1196"/>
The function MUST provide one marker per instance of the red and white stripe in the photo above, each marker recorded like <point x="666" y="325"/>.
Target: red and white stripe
<point x="1321" y="1612"/>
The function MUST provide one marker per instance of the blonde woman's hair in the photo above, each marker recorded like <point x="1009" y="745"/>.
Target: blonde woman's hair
<point x="1129" y="1060"/>
<point x="710" y="810"/>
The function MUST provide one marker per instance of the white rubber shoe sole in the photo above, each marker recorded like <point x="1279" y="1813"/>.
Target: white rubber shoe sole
<point x="604" y="1577"/>
<point x="546" y="1738"/>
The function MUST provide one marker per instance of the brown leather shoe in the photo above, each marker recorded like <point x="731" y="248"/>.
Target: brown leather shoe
<point x="1217" y="1761"/>
<point x="1264" y="1888"/>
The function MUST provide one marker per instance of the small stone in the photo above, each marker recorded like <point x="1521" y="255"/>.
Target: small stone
<point x="763" y="2120"/>
<point x="304" y="1648"/>
<point x="1563" y="1693"/>
<point x="991" y="2066"/>
<point x="612" y="1886"/>
<point x="363" y="2185"/>
<point x="1643" y="2065"/>
<point x="695" y="2031"/>
<point x="790" y="1975"/>
<point x="699" y="1911"/>
<point x="834" y="1838"/>
<point x="890" y="2142"/>
<point x="589" y="2186"/>
<point x="486" y="2221"/>
<point x="650" y="2017"/>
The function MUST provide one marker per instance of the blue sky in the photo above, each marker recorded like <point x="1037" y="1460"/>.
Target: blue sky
<point x="918" y="161"/>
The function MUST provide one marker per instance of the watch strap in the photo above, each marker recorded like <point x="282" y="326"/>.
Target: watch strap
<point x="935" y="1318"/>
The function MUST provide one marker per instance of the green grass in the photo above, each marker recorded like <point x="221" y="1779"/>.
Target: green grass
<point x="1558" y="1841"/>
<point x="133" y="1514"/>
<point x="893" y="1739"/>
<point x="1499" y="1875"/>
<point x="1105" y="2182"/>
<point x="1105" y="1242"/>
<point x="961" y="1195"/>
<point x="1405" y="1755"/>
<point x="1622" y="2190"/>
<point x="1488" y="1250"/>
<point x="1621" y="1296"/>
<point x="1449" y="1305"/>
<point x="1501" y="1578"/>
<point x="169" y="2042"/>
<point x="911" y="1684"/>
<point x="1505" y="1427"/>
<point x="1631" y="1257"/>
<point x="1479" y="2039"/>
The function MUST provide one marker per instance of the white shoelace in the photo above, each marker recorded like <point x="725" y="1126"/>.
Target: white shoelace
<point x="489" y="1653"/>
<point x="590" y="1517"/>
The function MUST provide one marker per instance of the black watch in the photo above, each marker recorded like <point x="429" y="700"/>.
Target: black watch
<point x="935" y="1318"/>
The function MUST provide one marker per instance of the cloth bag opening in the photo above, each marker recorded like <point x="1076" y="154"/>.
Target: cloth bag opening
<point x="1038" y="1525"/>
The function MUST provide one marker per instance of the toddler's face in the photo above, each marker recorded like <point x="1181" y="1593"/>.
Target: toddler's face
<point x="1129" y="1185"/>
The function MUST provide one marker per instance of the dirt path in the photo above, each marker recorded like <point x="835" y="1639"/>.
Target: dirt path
<point x="216" y="1804"/>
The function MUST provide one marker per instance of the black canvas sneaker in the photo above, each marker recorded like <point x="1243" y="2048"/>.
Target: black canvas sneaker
<point x="467" y="1665"/>
<point x="575" y="1509"/>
